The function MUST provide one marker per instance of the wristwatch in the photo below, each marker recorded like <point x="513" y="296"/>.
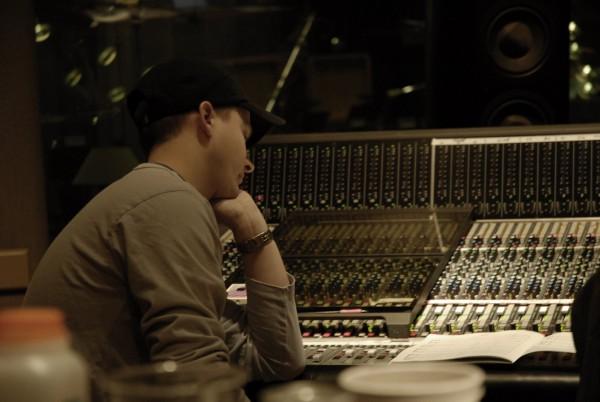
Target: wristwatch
<point x="255" y="243"/>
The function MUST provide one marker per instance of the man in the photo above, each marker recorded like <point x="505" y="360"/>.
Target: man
<point x="138" y="270"/>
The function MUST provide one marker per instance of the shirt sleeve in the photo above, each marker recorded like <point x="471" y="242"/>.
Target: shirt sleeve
<point x="172" y="257"/>
<point x="264" y="336"/>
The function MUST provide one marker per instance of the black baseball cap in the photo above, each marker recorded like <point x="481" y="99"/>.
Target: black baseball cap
<point x="179" y="86"/>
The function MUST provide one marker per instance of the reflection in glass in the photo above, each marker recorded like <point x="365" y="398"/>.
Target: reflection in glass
<point x="146" y="70"/>
<point x="574" y="51"/>
<point x="585" y="83"/>
<point x="107" y="56"/>
<point x="117" y="94"/>
<point x="73" y="77"/>
<point x="573" y="30"/>
<point x="42" y="32"/>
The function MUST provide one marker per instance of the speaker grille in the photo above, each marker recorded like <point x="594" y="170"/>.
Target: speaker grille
<point x="521" y="109"/>
<point x="518" y="40"/>
<point x="502" y="62"/>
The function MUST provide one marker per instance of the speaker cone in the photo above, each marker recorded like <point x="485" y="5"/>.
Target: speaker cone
<point x="517" y="40"/>
<point x="519" y="109"/>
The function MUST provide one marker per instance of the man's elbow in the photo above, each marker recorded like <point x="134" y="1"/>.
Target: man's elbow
<point x="294" y="369"/>
<point x="282" y="370"/>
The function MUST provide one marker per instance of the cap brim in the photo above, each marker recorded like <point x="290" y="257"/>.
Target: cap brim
<point x="261" y="121"/>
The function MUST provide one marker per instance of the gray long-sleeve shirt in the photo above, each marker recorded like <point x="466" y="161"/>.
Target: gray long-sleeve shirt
<point x="138" y="274"/>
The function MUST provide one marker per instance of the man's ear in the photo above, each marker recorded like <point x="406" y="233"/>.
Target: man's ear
<point x="206" y="118"/>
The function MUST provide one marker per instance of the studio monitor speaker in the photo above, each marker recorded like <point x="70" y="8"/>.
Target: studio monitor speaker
<point x="502" y="62"/>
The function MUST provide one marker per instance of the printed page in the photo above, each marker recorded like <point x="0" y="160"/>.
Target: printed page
<point x="505" y="346"/>
<point x="557" y="342"/>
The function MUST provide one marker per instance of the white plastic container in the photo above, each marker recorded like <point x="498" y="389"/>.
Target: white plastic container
<point x="414" y="382"/>
<point x="36" y="361"/>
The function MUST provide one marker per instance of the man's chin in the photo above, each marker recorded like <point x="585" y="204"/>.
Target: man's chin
<point x="229" y="193"/>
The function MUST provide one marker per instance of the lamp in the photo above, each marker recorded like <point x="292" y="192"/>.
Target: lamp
<point x="104" y="165"/>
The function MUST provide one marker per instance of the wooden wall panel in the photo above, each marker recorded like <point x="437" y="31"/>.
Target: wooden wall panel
<point x="23" y="221"/>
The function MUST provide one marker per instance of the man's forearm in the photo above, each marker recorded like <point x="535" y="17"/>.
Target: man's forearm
<point x="266" y="266"/>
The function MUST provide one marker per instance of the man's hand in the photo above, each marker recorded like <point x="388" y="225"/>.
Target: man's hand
<point x="241" y="215"/>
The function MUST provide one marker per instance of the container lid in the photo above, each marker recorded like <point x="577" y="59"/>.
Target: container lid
<point x="305" y="391"/>
<point x="411" y="379"/>
<point x="22" y="325"/>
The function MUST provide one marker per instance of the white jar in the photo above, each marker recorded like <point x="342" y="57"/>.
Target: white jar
<point x="414" y="382"/>
<point x="36" y="361"/>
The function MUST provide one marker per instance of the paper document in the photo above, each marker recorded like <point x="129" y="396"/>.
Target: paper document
<point x="504" y="346"/>
<point x="557" y="342"/>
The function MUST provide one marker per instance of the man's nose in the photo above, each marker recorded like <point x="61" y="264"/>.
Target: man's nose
<point x="248" y="167"/>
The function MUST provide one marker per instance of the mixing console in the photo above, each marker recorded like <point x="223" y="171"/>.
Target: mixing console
<point x="513" y="274"/>
<point x="231" y="261"/>
<point x="339" y="352"/>
<point x="362" y="273"/>
<point x="372" y="277"/>
<point x="370" y="233"/>
<point x="364" y="351"/>
<point x="360" y="282"/>
<point x="367" y="259"/>
<point x="343" y="328"/>
<point x="506" y="174"/>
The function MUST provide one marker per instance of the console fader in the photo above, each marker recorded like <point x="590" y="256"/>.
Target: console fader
<point x="513" y="274"/>
<point x="366" y="273"/>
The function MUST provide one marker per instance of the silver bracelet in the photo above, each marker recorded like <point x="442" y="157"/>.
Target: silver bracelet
<point x="255" y="243"/>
